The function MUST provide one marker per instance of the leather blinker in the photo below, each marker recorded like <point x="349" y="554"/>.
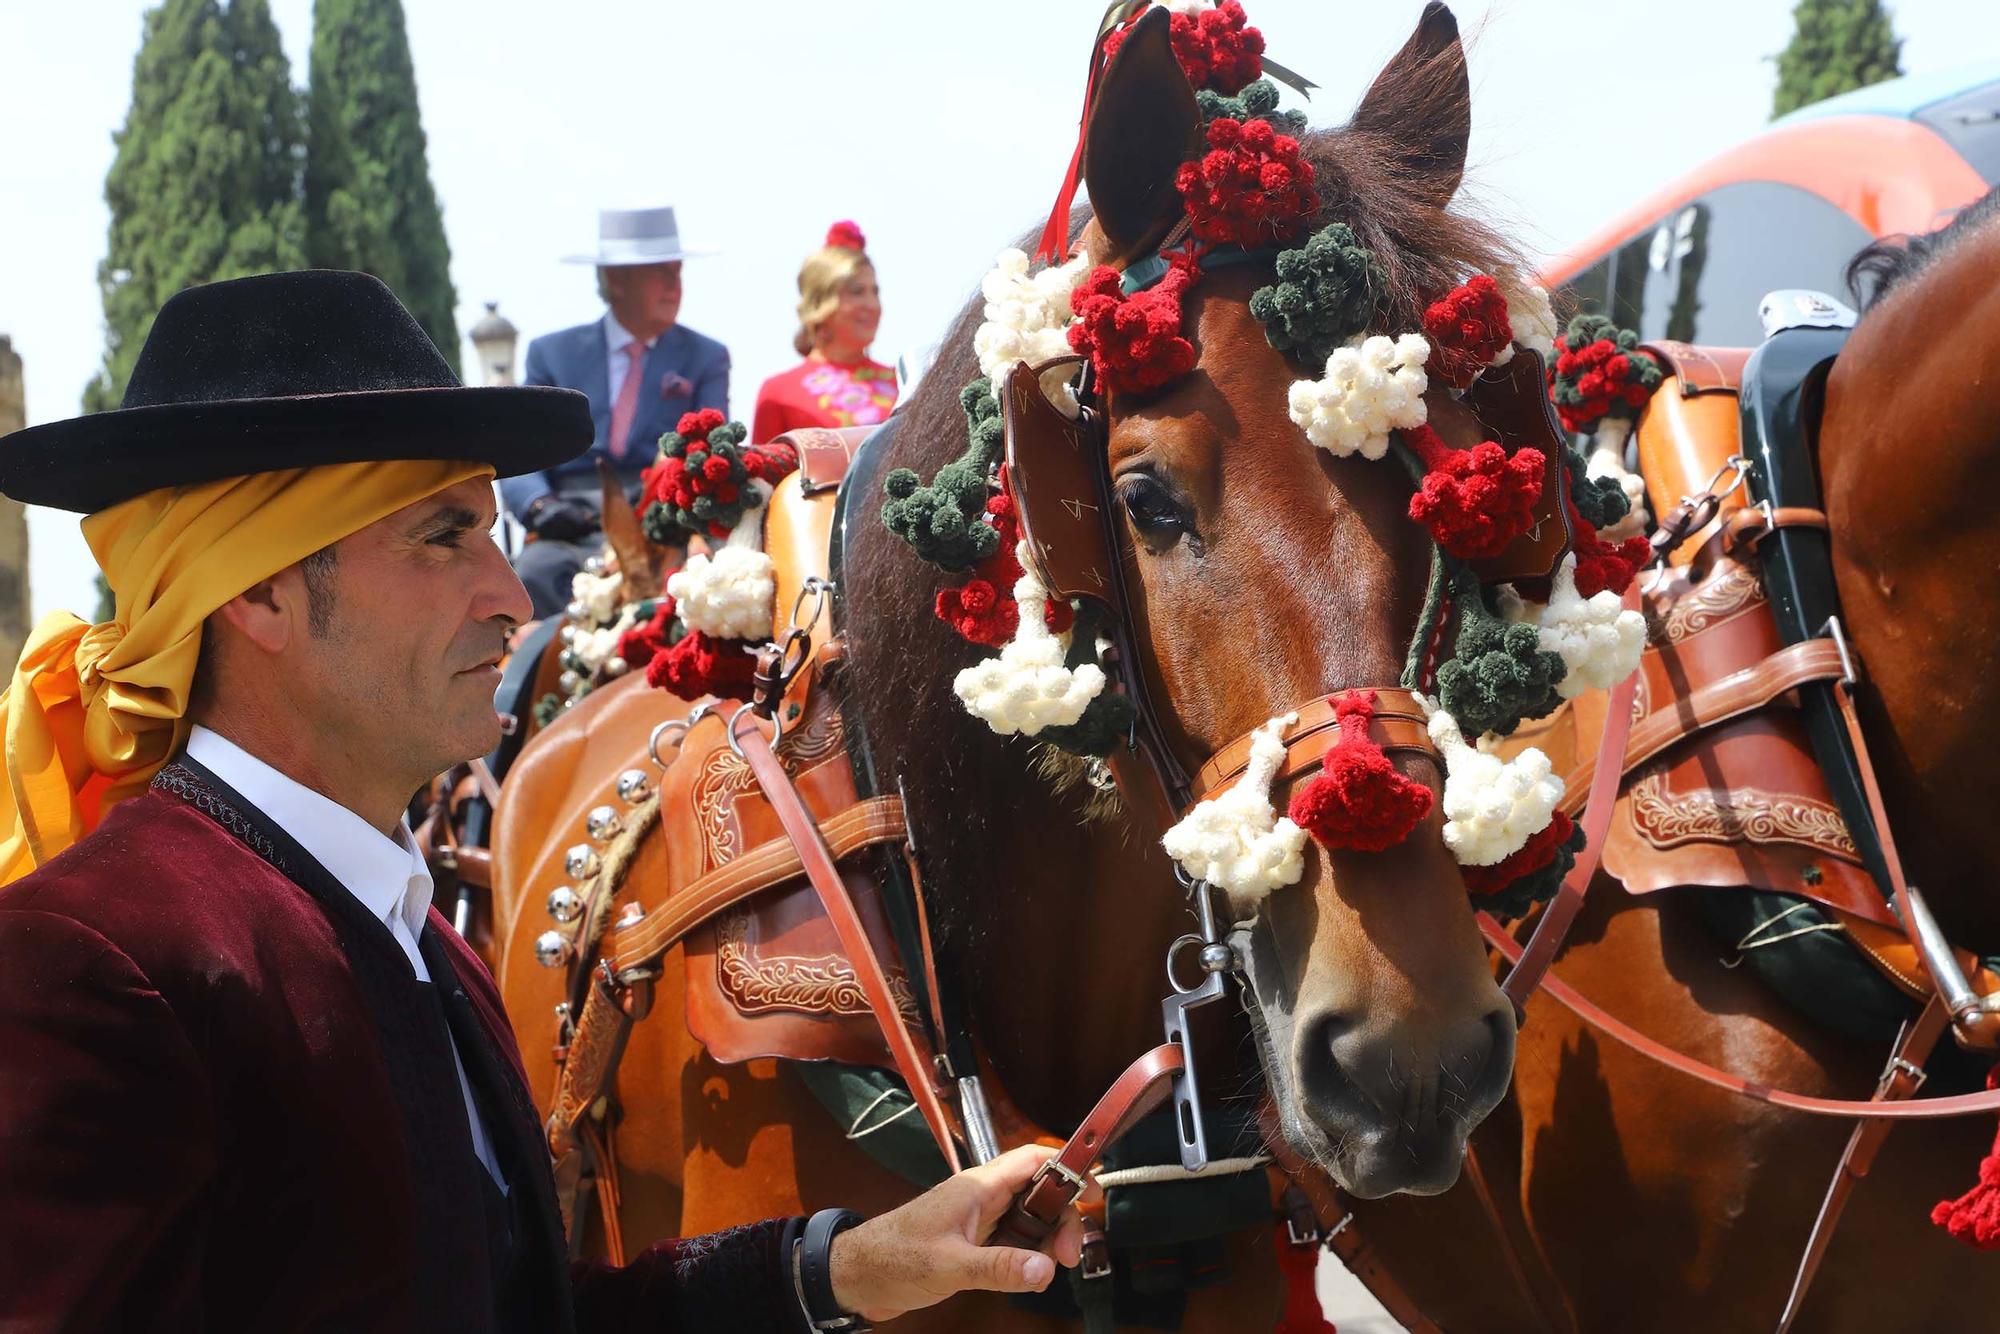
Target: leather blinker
<point x="1512" y="405"/>
<point x="1056" y="469"/>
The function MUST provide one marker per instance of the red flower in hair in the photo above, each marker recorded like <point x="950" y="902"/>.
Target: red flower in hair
<point x="1468" y="327"/>
<point x="1251" y="188"/>
<point x="1217" y="49"/>
<point x="846" y="235"/>
<point x="1474" y="501"/>
<point x="1134" y="342"/>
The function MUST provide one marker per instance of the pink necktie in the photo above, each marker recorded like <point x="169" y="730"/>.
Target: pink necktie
<point x="628" y="399"/>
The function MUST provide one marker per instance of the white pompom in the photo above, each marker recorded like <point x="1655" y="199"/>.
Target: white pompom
<point x="1599" y="640"/>
<point x="599" y="594"/>
<point x="595" y="648"/>
<point x="1371" y="388"/>
<point x="728" y="595"/>
<point x="1237" y="841"/>
<point x="1529" y="313"/>
<point x="1027" y="687"/>
<point x="1027" y="319"/>
<point x="1492" y="807"/>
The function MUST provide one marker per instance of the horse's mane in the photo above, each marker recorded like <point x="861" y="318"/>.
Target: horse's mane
<point x="966" y="786"/>
<point x="1885" y="264"/>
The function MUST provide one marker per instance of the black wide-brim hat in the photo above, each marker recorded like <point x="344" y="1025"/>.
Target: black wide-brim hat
<point x="286" y="370"/>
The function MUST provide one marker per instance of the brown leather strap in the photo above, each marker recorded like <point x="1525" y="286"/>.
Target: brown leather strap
<point x="1930" y="1109"/>
<point x="872" y="821"/>
<point x="1560" y="913"/>
<point x="1054" y="1187"/>
<point x="1340" y="1232"/>
<point x="1398" y="724"/>
<point x="824" y="876"/>
<point x="1725" y="697"/>
<point x="1748" y="526"/>
<point x="1901" y="1078"/>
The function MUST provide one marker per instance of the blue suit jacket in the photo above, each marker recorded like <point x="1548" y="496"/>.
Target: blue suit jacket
<point x="685" y="371"/>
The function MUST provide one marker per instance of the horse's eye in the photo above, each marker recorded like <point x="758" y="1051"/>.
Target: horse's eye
<point x="1158" y="515"/>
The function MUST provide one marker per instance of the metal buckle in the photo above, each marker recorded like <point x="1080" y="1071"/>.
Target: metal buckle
<point x="1095" y="1262"/>
<point x="1218" y="961"/>
<point x="729" y="728"/>
<point x="1303" y="1238"/>
<point x="1850" y="674"/>
<point x="1075" y="1180"/>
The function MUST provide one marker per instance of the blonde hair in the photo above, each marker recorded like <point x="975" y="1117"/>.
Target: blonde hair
<point x="821" y="278"/>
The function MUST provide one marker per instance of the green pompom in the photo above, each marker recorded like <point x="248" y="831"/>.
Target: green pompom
<point x="546" y="709"/>
<point x="1600" y="500"/>
<point x="1498" y="673"/>
<point x="1536" y="886"/>
<point x="1325" y="294"/>
<point x="945" y="521"/>
<point x="1257" y="101"/>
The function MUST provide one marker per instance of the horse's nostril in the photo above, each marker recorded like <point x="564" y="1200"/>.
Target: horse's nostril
<point x="1353" y="1074"/>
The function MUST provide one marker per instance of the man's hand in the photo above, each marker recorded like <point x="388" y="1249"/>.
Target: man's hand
<point x="934" y="1246"/>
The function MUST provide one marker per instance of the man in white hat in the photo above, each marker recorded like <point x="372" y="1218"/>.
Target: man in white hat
<point x="640" y="368"/>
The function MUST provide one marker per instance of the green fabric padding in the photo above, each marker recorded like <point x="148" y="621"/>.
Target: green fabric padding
<point x="1179" y="1213"/>
<point x="904" y="1145"/>
<point x="1819" y="973"/>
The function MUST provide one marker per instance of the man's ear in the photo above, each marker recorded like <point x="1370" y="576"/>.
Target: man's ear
<point x="270" y="613"/>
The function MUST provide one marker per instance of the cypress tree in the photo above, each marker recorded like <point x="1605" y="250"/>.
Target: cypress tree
<point x="204" y="185"/>
<point x="1838" y="46"/>
<point x="368" y="195"/>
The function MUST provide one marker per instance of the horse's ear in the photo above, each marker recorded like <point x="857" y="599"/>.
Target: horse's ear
<point x="1422" y="102"/>
<point x="1143" y="125"/>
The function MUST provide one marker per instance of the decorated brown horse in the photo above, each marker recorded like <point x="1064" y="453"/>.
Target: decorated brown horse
<point x="1257" y="573"/>
<point x="1610" y="1191"/>
<point x="1261" y="575"/>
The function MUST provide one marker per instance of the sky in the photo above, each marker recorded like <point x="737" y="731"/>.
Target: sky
<point x="943" y="128"/>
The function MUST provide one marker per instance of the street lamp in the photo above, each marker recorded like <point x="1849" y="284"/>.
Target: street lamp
<point x="493" y="338"/>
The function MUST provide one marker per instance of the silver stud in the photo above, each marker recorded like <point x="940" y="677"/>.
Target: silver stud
<point x="594" y="565"/>
<point x="602" y="823"/>
<point x="565" y="904"/>
<point x="569" y="683"/>
<point x="567" y="634"/>
<point x="615" y="666"/>
<point x="634" y="786"/>
<point x="562" y="1011"/>
<point x="581" y="862"/>
<point x="574" y="611"/>
<point x="552" y="949"/>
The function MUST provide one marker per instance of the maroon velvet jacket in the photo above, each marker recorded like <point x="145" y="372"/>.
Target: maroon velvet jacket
<point x="224" y="1105"/>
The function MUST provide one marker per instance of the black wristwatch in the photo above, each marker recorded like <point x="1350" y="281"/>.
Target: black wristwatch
<point x="812" y="1273"/>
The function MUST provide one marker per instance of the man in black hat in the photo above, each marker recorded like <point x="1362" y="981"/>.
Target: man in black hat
<point x="249" y="1079"/>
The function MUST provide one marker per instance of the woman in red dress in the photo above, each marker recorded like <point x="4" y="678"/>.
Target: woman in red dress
<point x="839" y="309"/>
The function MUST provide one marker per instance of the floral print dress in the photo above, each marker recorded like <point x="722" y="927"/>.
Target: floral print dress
<point x="824" y="393"/>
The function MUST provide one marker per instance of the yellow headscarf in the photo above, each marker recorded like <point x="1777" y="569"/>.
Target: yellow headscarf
<point x="95" y="710"/>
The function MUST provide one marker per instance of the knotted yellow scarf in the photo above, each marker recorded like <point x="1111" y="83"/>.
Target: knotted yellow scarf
<point x="95" y="710"/>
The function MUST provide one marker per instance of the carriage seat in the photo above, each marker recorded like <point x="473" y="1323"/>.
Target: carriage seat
<point x="1689" y="429"/>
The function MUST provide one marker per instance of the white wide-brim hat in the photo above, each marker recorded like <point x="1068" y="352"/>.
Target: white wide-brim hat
<point x="636" y="236"/>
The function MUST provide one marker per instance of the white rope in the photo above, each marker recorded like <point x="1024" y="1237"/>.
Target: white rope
<point x="854" y="1130"/>
<point x="1154" y="1174"/>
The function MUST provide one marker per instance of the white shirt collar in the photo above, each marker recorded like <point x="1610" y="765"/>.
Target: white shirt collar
<point x="617" y="337"/>
<point x="386" y="874"/>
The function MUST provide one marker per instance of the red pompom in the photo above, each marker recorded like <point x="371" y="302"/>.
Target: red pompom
<point x="1251" y="188"/>
<point x="1600" y="564"/>
<point x="696" y="425"/>
<point x="700" y="665"/>
<point x="648" y="639"/>
<point x="1604" y="377"/>
<point x="1474" y="501"/>
<point x="1974" y="1217"/>
<point x="1467" y="328"/>
<point x="982" y="609"/>
<point x="772" y="461"/>
<point x="1540" y="849"/>
<point x="1359" y="800"/>
<point x="1217" y="49"/>
<point x="846" y="235"/>
<point x="1134" y="343"/>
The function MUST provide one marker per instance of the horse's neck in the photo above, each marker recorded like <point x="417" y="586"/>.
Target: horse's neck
<point x="1909" y="453"/>
<point x="1061" y="946"/>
